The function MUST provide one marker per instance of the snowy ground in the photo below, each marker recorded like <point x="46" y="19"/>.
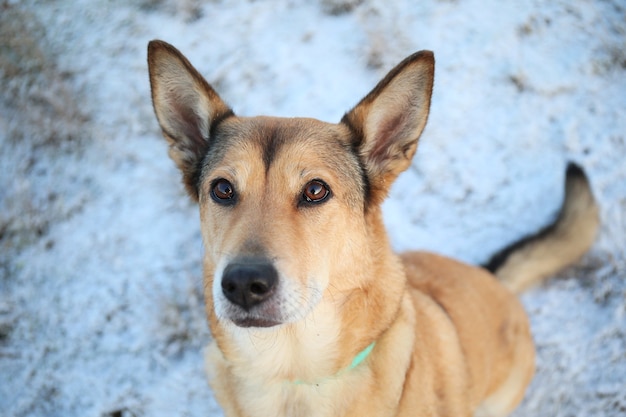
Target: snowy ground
<point x="100" y="306"/>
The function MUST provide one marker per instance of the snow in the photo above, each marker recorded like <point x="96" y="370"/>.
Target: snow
<point x="101" y="312"/>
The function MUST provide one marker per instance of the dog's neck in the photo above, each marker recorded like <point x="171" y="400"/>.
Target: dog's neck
<point x="358" y="359"/>
<point x="313" y="349"/>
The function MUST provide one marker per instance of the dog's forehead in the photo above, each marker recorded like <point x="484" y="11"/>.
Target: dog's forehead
<point x="268" y="139"/>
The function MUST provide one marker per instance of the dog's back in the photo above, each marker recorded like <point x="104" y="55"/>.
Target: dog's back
<point x="488" y="332"/>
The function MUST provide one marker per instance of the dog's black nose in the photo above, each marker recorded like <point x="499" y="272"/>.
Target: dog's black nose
<point x="247" y="284"/>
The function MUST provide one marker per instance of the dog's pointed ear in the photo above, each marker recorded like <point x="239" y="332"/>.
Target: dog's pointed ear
<point x="388" y="122"/>
<point x="186" y="107"/>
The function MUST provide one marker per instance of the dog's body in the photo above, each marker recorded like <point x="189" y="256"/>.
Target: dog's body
<point x="311" y="312"/>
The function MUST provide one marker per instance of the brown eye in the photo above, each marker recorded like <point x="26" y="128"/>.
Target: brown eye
<point x="223" y="191"/>
<point x="315" y="191"/>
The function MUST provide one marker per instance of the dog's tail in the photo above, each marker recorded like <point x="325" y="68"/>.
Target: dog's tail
<point x="558" y="245"/>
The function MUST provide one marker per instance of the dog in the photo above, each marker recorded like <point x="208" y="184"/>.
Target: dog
<point x="311" y="312"/>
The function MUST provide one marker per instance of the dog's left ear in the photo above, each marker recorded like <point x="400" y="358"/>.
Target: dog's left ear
<point x="388" y="122"/>
<point x="186" y="107"/>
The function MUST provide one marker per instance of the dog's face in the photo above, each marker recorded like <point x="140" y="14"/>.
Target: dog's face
<point x="279" y="199"/>
<point x="285" y="204"/>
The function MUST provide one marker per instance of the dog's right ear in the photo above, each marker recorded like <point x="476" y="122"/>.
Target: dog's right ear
<point x="186" y="107"/>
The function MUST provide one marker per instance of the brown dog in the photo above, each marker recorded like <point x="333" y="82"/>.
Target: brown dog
<point x="311" y="311"/>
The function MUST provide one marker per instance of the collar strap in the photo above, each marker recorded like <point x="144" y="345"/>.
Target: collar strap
<point x="361" y="356"/>
<point x="358" y="359"/>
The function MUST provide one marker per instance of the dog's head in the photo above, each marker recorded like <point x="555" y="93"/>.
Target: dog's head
<point x="289" y="206"/>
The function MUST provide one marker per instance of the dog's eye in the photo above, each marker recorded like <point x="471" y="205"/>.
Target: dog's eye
<point x="223" y="191"/>
<point x="315" y="191"/>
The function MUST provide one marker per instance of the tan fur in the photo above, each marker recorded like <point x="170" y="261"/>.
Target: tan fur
<point x="449" y="339"/>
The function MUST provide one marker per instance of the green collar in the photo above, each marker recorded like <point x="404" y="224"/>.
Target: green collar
<point x="358" y="359"/>
<point x="361" y="356"/>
